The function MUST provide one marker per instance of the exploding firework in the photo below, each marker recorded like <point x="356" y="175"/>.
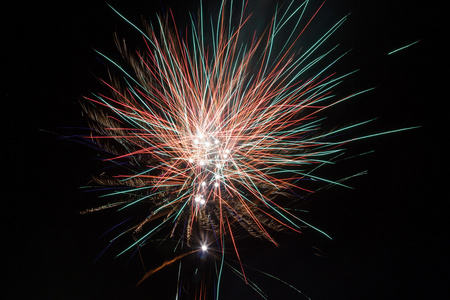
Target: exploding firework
<point x="212" y="133"/>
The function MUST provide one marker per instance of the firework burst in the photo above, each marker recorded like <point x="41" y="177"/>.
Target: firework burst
<point x="210" y="135"/>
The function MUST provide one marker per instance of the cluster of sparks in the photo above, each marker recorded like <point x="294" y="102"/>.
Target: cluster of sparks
<point x="210" y="133"/>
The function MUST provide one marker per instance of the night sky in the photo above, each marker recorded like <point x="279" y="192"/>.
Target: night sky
<point x="390" y="238"/>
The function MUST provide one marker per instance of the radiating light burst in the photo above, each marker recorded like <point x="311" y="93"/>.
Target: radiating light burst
<point x="209" y="130"/>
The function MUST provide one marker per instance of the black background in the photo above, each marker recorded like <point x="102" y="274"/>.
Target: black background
<point x="389" y="233"/>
